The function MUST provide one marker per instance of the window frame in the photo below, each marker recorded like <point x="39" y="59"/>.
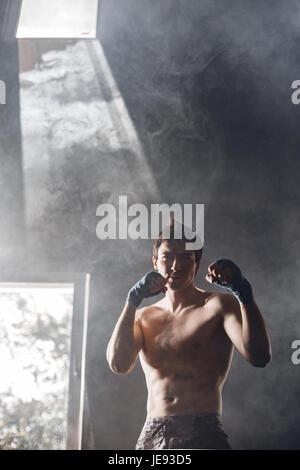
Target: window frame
<point x="76" y="385"/>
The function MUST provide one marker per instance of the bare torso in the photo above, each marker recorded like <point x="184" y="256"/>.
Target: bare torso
<point x="185" y="357"/>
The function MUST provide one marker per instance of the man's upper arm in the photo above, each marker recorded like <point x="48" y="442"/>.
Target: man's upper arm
<point x="138" y="339"/>
<point x="138" y="332"/>
<point x="232" y="323"/>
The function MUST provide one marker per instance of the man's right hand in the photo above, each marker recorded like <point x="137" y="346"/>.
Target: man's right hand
<point x="151" y="284"/>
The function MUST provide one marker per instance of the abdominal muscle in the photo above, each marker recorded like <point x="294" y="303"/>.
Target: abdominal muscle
<point x="178" y="394"/>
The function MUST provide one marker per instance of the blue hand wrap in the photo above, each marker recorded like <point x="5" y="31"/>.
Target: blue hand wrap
<point x="239" y="286"/>
<point x="141" y="289"/>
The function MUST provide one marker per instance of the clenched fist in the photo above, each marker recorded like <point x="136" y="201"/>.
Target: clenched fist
<point x="151" y="284"/>
<point x="225" y="273"/>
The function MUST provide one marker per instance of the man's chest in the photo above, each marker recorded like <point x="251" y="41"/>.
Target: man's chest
<point x="182" y="337"/>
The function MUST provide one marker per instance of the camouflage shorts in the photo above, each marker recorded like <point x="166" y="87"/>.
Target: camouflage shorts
<point x="195" y="431"/>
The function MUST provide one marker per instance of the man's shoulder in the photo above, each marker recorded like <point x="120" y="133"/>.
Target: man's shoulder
<point x="205" y="297"/>
<point x="220" y="301"/>
<point x="144" y="311"/>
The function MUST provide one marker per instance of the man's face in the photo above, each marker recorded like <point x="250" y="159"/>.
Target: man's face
<point x="176" y="262"/>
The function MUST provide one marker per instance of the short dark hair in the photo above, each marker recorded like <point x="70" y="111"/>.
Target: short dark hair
<point x="161" y="238"/>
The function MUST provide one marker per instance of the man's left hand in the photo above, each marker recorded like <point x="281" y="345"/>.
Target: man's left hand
<point x="226" y="274"/>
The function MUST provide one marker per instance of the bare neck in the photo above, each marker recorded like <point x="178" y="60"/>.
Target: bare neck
<point x="177" y="299"/>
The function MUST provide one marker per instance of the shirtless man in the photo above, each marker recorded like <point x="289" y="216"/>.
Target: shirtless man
<point x="185" y="343"/>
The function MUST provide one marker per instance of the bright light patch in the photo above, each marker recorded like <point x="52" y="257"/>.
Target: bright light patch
<point x="58" y="19"/>
<point x="35" y="340"/>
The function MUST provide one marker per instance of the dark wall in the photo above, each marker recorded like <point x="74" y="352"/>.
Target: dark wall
<point x="207" y="86"/>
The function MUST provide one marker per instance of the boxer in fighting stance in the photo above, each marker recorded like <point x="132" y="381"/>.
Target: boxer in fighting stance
<point x="185" y="344"/>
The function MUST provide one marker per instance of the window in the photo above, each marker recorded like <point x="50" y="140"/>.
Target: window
<point x="58" y="19"/>
<point x="42" y="350"/>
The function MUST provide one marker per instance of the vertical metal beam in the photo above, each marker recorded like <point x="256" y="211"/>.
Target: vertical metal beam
<point x="77" y="363"/>
<point x="83" y="357"/>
